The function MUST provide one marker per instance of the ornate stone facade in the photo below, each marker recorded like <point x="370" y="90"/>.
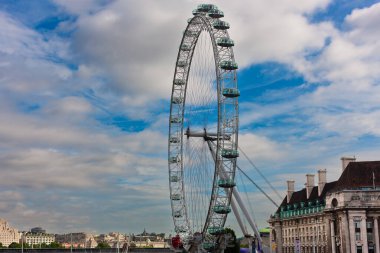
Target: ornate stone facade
<point x="82" y="240"/>
<point x="336" y="217"/>
<point x="8" y="234"/>
<point x="37" y="238"/>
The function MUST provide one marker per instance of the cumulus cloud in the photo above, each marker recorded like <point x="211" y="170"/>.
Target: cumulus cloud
<point x="117" y="58"/>
<point x="136" y="51"/>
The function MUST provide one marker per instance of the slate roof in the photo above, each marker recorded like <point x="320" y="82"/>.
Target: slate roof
<point x="359" y="175"/>
<point x="356" y="175"/>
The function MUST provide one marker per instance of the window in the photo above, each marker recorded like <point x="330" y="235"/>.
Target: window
<point x="359" y="249"/>
<point x="369" y="226"/>
<point x="355" y="197"/>
<point x="357" y="230"/>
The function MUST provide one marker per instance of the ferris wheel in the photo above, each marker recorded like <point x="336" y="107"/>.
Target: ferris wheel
<point x="203" y="130"/>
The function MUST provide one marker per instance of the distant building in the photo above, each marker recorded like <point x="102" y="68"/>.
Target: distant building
<point x="265" y="236"/>
<point x="152" y="240"/>
<point x="151" y="236"/>
<point x="37" y="230"/>
<point x="8" y="234"/>
<point x="336" y="217"/>
<point x="77" y="240"/>
<point x="114" y="239"/>
<point x="37" y="238"/>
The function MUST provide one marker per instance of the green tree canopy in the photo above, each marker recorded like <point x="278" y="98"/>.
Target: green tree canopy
<point x="103" y="245"/>
<point x="55" y="245"/>
<point x="14" y="245"/>
<point x="232" y="245"/>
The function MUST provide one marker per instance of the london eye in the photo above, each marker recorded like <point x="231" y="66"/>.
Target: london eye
<point x="203" y="130"/>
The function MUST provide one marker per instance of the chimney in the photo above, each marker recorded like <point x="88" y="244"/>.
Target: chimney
<point x="309" y="184"/>
<point x="321" y="180"/>
<point x="290" y="189"/>
<point x="346" y="161"/>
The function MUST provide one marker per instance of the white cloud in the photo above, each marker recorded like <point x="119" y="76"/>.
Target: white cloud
<point x="261" y="148"/>
<point x="80" y="7"/>
<point x="53" y="141"/>
<point x="362" y="24"/>
<point x="137" y="51"/>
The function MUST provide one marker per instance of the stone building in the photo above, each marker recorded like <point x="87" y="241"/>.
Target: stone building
<point x="38" y="238"/>
<point x="114" y="239"/>
<point x="335" y="217"/>
<point x="38" y="230"/>
<point x="76" y="240"/>
<point x="8" y="234"/>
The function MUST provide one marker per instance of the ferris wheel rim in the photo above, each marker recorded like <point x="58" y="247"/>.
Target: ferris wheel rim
<point x="183" y="223"/>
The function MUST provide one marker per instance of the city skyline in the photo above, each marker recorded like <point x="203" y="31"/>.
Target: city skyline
<point x="84" y="99"/>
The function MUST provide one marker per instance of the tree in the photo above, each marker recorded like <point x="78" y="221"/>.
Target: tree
<point x="14" y="245"/>
<point x="43" y="246"/>
<point x="55" y="245"/>
<point x="1" y="245"/>
<point x="232" y="245"/>
<point x="103" y="245"/>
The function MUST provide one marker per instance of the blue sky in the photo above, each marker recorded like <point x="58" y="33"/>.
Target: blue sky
<point x="84" y="100"/>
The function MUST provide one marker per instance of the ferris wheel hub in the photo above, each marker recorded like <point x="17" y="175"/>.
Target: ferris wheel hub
<point x="206" y="135"/>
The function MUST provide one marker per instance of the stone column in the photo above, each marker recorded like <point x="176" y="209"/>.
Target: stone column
<point x="363" y="232"/>
<point x="352" y="234"/>
<point x="327" y="235"/>
<point x="376" y="234"/>
<point x="344" y="233"/>
<point x="279" y="238"/>
<point x="332" y="233"/>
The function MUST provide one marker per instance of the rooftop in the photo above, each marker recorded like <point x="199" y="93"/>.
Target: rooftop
<point x="356" y="176"/>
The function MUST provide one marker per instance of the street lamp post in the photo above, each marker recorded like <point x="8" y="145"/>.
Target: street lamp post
<point x="22" y="242"/>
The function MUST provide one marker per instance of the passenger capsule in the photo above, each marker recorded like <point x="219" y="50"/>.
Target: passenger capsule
<point x="215" y="13"/>
<point x="177" y="100"/>
<point x="190" y="33"/>
<point x="174" y="140"/>
<point x="175" y="120"/>
<point x="209" y="246"/>
<point x="230" y="153"/>
<point x="231" y="92"/>
<point x="182" y="64"/>
<point x="228" y="65"/>
<point x="185" y="47"/>
<point x="220" y="25"/>
<point x="226" y="183"/>
<point x="221" y="209"/>
<point x="177" y="214"/>
<point x="196" y="12"/>
<point x="225" y="42"/>
<point x="176" y="197"/>
<point x="216" y="230"/>
<point x="179" y="82"/>
<point x="174" y="179"/>
<point x="174" y="159"/>
<point x="206" y="7"/>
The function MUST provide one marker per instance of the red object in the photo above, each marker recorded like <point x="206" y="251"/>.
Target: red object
<point x="176" y="242"/>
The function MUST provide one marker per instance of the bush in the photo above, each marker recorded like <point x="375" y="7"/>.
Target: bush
<point x="103" y="245"/>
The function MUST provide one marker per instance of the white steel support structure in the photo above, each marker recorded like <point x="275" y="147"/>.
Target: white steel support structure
<point x="236" y="198"/>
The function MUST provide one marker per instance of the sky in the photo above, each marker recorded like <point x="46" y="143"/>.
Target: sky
<point x="84" y="101"/>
